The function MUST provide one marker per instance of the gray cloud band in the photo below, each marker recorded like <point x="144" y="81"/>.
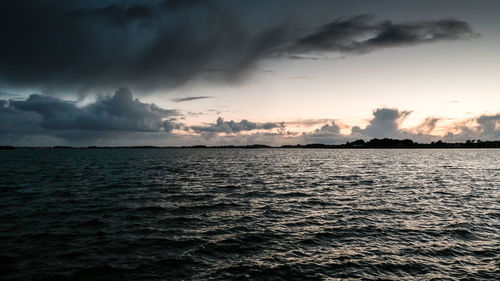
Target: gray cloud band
<point x="230" y="127"/>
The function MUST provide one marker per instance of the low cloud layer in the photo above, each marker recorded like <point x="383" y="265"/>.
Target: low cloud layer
<point x="156" y="45"/>
<point x="386" y="123"/>
<point x="232" y="127"/>
<point x="121" y="119"/>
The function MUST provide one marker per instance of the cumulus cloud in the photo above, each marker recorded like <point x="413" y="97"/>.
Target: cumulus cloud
<point x="385" y="123"/>
<point x="329" y="128"/>
<point x="484" y="127"/>
<point x="489" y="124"/>
<point x="120" y="112"/>
<point x="156" y="45"/>
<point x="327" y="134"/>
<point x="233" y="127"/>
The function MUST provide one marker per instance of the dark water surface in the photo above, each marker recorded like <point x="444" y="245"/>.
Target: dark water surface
<point x="197" y="214"/>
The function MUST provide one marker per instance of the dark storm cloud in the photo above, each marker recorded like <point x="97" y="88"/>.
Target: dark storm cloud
<point x="232" y="127"/>
<point x="14" y="120"/>
<point x="151" y="45"/>
<point x="173" y="5"/>
<point x="120" y="112"/>
<point x="362" y="34"/>
<point x="191" y="98"/>
<point x="115" y="14"/>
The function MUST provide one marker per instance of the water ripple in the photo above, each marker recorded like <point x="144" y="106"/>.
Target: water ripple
<point x="267" y="214"/>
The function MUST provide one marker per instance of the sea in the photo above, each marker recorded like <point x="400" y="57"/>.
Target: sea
<point x="250" y="214"/>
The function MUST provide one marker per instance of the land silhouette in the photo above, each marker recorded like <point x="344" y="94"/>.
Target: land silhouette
<point x="358" y="144"/>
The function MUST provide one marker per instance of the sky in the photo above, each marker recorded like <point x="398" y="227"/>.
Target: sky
<point x="230" y="72"/>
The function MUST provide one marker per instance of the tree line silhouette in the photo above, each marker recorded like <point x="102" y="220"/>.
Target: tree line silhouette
<point x="406" y="143"/>
<point x="373" y="143"/>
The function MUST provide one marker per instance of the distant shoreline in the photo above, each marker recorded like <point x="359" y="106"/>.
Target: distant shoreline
<point x="359" y="144"/>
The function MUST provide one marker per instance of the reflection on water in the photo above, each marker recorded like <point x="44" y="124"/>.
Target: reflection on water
<point x="162" y="214"/>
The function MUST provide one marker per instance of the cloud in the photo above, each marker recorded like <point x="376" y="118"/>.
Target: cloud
<point x="4" y="94"/>
<point x="121" y="119"/>
<point x="215" y="111"/>
<point x="385" y="123"/>
<point x="329" y="129"/>
<point x="361" y="34"/>
<point x="120" y="112"/>
<point x="428" y="125"/>
<point x="175" y="5"/>
<point x="16" y="122"/>
<point x="484" y="127"/>
<point x="489" y="124"/>
<point x="233" y="127"/>
<point x="115" y="14"/>
<point x="191" y="98"/>
<point x="327" y="134"/>
<point x="61" y="45"/>
<point x="146" y="45"/>
<point x="309" y="122"/>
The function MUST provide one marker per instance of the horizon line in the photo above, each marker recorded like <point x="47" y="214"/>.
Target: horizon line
<point x="358" y="144"/>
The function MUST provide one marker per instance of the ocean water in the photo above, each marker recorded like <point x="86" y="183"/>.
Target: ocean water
<point x="262" y="214"/>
